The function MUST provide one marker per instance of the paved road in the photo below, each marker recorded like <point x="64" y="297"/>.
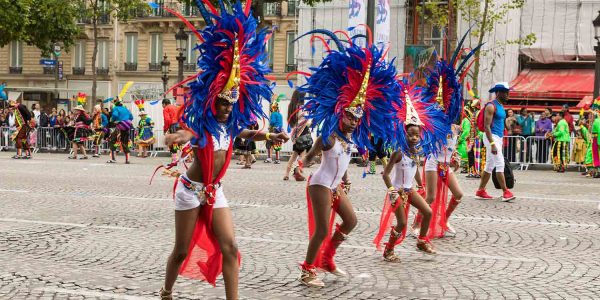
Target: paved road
<point x="87" y="230"/>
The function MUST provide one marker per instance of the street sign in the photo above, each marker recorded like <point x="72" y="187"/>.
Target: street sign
<point x="60" y="70"/>
<point x="57" y="50"/>
<point x="47" y="62"/>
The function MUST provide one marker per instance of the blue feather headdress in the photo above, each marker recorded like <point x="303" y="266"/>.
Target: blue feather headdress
<point x="415" y="107"/>
<point x="233" y="64"/>
<point x="352" y="80"/>
<point x="445" y="78"/>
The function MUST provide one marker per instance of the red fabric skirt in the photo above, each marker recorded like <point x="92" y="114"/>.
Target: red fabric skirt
<point x="438" y="223"/>
<point x="385" y="222"/>
<point x="335" y="198"/>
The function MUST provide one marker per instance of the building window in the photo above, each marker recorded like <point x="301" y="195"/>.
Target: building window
<point x="102" y="56"/>
<point x="48" y="69"/>
<point x="156" y="48"/>
<point x="271" y="50"/>
<point x="191" y="53"/>
<point x="16" y="54"/>
<point x="158" y="12"/>
<point x="79" y="54"/>
<point x="290" y="61"/>
<point x="437" y="39"/>
<point x="132" y="48"/>
<point x="292" y="7"/>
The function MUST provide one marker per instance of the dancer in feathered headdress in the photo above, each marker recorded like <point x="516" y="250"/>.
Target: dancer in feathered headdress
<point x="145" y="136"/>
<point x="275" y="126"/>
<point x="224" y="98"/>
<point x="349" y="96"/>
<point x="445" y="90"/>
<point x="80" y="131"/>
<point x="423" y="126"/>
<point x="596" y="136"/>
<point x="120" y="123"/>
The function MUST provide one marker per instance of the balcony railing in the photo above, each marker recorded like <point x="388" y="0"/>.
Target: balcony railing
<point x="272" y="9"/>
<point x="292" y="7"/>
<point x="15" y="70"/>
<point x="130" y="66"/>
<point x="49" y="70"/>
<point x="154" y="66"/>
<point x="102" y="19"/>
<point x="78" y="71"/>
<point x="101" y="71"/>
<point x="290" y="68"/>
<point x="189" y="67"/>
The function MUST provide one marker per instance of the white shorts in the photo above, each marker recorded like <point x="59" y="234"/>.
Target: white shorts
<point x="493" y="161"/>
<point x="187" y="199"/>
<point x="431" y="164"/>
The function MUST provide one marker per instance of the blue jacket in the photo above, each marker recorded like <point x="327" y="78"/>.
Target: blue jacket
<point x="104" y="120"/>
<point x="276" y="120"/>
<point x="120" y="113"/>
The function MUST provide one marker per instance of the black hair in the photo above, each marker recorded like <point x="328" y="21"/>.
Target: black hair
<point x="296" y="101"/>
<point x="561" y="114"/>
<point x="410" y="125"/>
<point x="166" y="101"/>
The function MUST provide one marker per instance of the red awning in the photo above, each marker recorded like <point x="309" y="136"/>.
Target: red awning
<point x="586" y="102"/>
<point x="559" y="85"/>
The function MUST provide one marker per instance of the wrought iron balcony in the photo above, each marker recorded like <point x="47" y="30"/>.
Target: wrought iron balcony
<point x="101" y="71"/>
<point x="154" y="66"/>
<point x="130" y="66"/>
<point x="290" y="68"/>
<point x="189" y="67"/>
<point x="78" y="71"/>
<point x="272" y="9"/>
<point x="49" y="70"/>
<point x="15" y="70"/>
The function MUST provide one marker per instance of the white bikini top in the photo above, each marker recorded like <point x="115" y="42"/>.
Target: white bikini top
<point x="334" y="164"/>
<point x="404" y="173"/>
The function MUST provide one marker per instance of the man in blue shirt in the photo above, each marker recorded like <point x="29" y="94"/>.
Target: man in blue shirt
<point x="493" y="133"/>
<point x="120" y="121"/>
<point x="527" y="123"/>
<point x="275" y="126"/>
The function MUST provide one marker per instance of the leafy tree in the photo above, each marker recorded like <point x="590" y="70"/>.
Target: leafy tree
<point x="484" y="15"/>
<point x="40" y="23"/>
<point x="98" y="10"/>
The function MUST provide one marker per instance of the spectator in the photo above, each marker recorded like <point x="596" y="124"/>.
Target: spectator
<point x="543" y="127"/>
<point x="568" y="118"/>
<point x="512" y="129"/>
<point x="52" y="118"/>
<point x="35" y="111"/>
<point x="170" y="123"/>
<point x="527" y="123"/>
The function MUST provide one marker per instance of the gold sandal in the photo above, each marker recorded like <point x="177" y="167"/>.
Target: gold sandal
<point x="165" y="295"/>
<point x="390" y="256"/>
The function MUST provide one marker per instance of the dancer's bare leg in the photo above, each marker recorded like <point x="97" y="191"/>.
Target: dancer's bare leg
<point x="185" y="221"/>
<point x="223" y="229"/>
<point x="321" y="203"/>
<point x="346" y="212"/>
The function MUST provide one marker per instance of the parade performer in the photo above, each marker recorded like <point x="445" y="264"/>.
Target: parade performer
<point x="171" y="125"/>
<point x="223" y="99"/>
<point x="348" y="97"/>
<point x="588" y="160"/>
<point x="275" y="126"/>
<point x="120" y="120"/>
<point x="100" y="128"/>
<point x="562" y="138"/>
<point x="463" y="139"/>
<point x="379" y="152"/>
<point x="444" y="90"/>
<point x="22" y="119"/>
<point x="596" y="137"/>
<point x="300" y="134"/>
<point x="493" y="128"/>
<point x="424" y="130"/>
<point x="145" y="135"/>
<point x="80" y="132"/>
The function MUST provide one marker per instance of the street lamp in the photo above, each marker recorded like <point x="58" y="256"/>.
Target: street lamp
<point x="181" y="37"/>
<point x="596" y="23"/>
<point x="164" y="66"/>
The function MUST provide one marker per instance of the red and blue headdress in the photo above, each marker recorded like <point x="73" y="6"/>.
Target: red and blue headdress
<point x="415" y="107"/>
<point x="445" y="78"/>
<point x="354" y="80"/>
<point x="233" y="65"/>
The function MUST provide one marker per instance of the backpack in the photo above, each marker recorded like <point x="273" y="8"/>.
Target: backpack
<point x="509" y="177"/>
<point x="481" y="117"/>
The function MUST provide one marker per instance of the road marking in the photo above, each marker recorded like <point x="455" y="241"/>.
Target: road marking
<point x="13" y="191"/>
<point x="92" y="293"/>
<point x="372" y="248"/>
<point x="556" y="199"/>
<point x="526" y="221"/>
<point x="136" y="198"/>
<point x="79" y="225"/>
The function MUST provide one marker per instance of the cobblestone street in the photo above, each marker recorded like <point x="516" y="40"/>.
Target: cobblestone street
<point x="88" y="230"/>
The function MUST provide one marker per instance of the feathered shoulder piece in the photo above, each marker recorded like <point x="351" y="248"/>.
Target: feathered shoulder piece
<point x="415" y="107"/>
<point x="595" y="107"/>
<point x="233" y="64"/>
<point x="351" y="80"/>
<point x="444" y="82"/>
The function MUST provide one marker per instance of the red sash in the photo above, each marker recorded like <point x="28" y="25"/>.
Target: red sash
<point x="385" y="222"/>
<point x="205" y="260"/>
<point x="438" y="223"/>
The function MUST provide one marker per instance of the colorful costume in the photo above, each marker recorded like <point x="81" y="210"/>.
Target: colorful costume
<point x="275" y="124"/>
<point x="349" y="80"/>
<point x="560" y="150"/>
<point x="120" y="121"/>
<point x="145" y="135"/>
<point x="22" y="120"/>
<point x="232" y="60"/>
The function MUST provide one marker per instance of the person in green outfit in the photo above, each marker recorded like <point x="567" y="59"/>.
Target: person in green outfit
<point x="461" y="146"/>
<point x="562" y="137"/>
<point x="588" y="160"/>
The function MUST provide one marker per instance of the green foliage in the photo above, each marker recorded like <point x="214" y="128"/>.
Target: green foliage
<point x="40" y="23"/>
